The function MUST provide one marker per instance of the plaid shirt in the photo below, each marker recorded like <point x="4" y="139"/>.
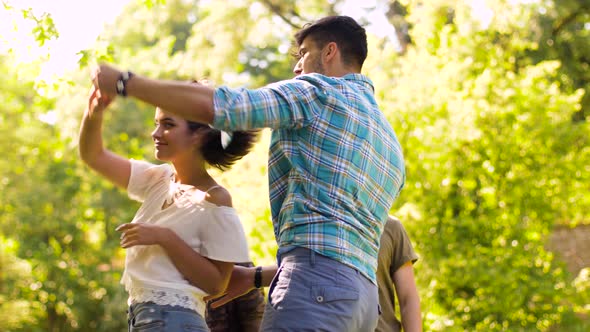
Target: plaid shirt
<point x="335" y="165"/>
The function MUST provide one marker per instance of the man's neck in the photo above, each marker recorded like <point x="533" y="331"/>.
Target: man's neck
<point x="341" y="72"/>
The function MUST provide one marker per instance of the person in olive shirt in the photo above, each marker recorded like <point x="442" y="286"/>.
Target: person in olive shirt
<point x="395" y="276"/>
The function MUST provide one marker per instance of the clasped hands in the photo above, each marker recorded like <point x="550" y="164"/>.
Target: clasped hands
<point x="103" y="91"/>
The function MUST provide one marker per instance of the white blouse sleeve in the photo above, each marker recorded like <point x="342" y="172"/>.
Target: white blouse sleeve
<point x="223" y="237"/>
<point x="144" y="176"/>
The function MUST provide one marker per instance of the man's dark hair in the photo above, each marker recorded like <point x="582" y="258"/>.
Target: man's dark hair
<point x="350" y="37"/>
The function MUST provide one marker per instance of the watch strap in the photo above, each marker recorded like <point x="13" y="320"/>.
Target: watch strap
<point x="258" y="277"/>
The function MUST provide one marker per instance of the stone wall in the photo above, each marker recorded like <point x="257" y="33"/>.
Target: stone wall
<point x="572" y="245"/>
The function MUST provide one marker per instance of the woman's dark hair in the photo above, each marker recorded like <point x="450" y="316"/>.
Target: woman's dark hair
<point x="215" y="155"/>
<point x="350" y="37"/>
<point x="241" y="142"/>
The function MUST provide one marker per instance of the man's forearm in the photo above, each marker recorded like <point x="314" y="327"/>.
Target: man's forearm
<point x="410" y="316"/>
<point x="408" y="298"/>
<point x="268" y="273"/>
<point x="188" y="100"/>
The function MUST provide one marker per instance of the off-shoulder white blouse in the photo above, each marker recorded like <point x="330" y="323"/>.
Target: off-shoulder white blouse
<point x="211" y="230"/>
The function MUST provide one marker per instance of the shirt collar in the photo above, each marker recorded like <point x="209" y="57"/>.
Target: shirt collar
<point x="359" y="78"/>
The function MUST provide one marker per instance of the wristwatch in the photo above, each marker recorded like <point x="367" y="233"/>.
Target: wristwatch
<point x="258" y="277"/>
<point x="122" y="83"/>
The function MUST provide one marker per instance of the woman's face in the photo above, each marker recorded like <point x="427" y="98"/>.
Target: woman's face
<point x="172" y="137"/>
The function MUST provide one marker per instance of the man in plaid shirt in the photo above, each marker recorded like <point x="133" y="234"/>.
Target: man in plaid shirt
<point x="335" y="168"/>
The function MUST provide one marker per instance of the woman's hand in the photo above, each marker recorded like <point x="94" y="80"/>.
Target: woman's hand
<point x="97" y="101"/>
<point x="134" y="234"/>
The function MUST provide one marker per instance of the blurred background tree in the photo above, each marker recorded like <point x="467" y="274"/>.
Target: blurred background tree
<point x="490" y="101"/>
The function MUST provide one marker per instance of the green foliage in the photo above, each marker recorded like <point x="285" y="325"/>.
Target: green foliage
<point x="15" y="274"/>
<point x="42" y="209"/>
<point x="43" y="29"/>
<point x="490" y="147"/>
<point x="150" y="3"/>
<point x="561" y="32"/>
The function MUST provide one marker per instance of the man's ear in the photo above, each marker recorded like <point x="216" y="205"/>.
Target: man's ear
<point x="330" y="51"/>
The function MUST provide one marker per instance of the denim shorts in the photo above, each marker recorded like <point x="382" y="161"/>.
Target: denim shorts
<point x="311" y="292"/>
<point x="151" y="317"/>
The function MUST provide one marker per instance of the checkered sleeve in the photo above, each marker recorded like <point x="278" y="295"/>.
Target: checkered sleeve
<point x="286" y="104"/>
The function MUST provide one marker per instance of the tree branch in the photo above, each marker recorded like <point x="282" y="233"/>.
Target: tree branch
<point x="570" y="18"/>
<point x="277" y="11"/>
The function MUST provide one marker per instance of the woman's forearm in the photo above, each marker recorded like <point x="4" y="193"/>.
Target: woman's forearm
<point x="198" y="270"/>
<point x="90" y="143"/>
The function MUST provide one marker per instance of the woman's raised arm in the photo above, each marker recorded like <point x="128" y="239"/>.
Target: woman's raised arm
<point x="108" y="164"/>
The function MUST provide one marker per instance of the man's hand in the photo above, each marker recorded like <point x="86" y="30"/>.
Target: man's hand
<point x="104" y="78"/>
<point x="240" y="283"/>
<point x="134" y="234"/>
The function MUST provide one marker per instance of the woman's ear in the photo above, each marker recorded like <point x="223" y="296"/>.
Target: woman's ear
<point x="198" y="135"/>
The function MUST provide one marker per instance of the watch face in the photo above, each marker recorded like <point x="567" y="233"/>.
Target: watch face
<point x="120" y="86"/>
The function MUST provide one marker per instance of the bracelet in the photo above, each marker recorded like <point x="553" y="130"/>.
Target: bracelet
<point x="122" y="83"/>
<point x="258" y="277"/>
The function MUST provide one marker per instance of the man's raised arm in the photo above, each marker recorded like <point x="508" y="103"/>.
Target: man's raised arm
<point x="188" y="100"/>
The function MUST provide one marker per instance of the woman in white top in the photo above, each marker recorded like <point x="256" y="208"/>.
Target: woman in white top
<point x="185" y="238"/>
